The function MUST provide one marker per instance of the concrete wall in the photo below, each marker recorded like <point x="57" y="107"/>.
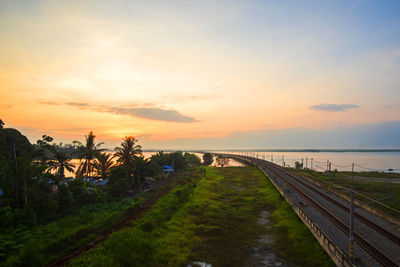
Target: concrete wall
<point x="337" y="255"/>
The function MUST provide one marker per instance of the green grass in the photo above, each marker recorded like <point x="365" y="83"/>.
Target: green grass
<point x="212" y="219"/>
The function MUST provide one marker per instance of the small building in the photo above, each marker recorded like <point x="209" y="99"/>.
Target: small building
<point x="166" y="169"/>
<point x="95" y="181"/>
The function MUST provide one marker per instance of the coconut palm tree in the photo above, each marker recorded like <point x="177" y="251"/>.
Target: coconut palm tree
<point x="103" y="164"/>
<point x="127" y="153"/>
<point x="87" y="153"/>
<point x="60" y="163"/>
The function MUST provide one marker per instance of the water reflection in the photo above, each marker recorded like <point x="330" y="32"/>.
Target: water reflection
<point x="365" y="161"/>
<point x="148" y="154"/>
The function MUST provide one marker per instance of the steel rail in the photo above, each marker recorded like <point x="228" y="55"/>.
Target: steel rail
<point x="361" y="218"/>
<point x="362" y="242"/>
<point x="368" y="247"/>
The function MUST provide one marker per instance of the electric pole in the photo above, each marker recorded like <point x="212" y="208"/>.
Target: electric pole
<point x="311" y="163"/>
<point x="390" y="177"/>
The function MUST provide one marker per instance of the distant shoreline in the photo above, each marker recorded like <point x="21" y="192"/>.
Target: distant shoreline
<point x="280" y="150"/>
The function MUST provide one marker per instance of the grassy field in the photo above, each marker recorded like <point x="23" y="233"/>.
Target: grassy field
<point x="215" y="220"/>
<point x="386" y="193"/>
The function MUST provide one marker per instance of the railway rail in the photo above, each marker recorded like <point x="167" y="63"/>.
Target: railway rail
<point x="285" y="176"/>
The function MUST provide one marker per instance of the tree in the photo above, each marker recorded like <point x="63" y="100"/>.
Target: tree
<point x="1" y="124"/>
<point x="127" y="152"/>
<point x="298" y="165"/>
<point x="145" y="167"/>
<point x="42" y="146"/>
<point x="60" y="163"/>
<point x="191" y="160"/>
<point x="208" y="158"/>
<point x="13" y="144"/>
<point x="86" y="154"/>
<point x="222" y="161"/>
<point x="103" y="165"/>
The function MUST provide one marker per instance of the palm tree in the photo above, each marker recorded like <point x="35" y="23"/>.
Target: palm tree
<point x="145" y="167"/>
<point x="127" y="152"/>
<point x="103" y="164"/>
<point x="60" y="163"/>
<point x="87" y="153"/>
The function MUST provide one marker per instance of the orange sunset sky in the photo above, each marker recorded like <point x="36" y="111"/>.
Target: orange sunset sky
<point x="198" y="71"/>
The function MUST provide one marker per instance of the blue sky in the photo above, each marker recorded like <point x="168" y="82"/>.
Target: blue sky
<point x="168" y="71"/>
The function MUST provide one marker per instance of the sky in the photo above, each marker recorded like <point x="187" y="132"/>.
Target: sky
<point x="203" y="74"/>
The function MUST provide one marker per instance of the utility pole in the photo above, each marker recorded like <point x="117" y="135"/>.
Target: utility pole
<point x="351" y="234"/>
<point x="327" y="165"/>
<point x="283" y="162"/>
<point x="311" y="163"/>
<point x="390" y="177"/>
<point x="302" y="165"/>
<point x="272" y="158"/>
<point x="306" y="163"/>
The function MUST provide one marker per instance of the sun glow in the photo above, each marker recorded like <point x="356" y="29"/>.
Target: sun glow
<point x="196" y="71"/>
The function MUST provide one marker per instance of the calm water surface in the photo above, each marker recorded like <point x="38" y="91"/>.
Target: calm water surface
<point x="147" y="154"/>
<point x="365" y="161"/>
<point x="381" y="161"/>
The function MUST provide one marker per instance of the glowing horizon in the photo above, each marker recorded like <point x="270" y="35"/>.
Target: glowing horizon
<point x="172" y="70"/>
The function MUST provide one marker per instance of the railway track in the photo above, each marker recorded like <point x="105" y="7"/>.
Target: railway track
<point x="362" y="242"/>
<point x="285" y="176"/>
<point x="361" y="218"/>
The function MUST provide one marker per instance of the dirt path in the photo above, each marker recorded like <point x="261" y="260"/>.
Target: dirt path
<point x="137" y="213"/>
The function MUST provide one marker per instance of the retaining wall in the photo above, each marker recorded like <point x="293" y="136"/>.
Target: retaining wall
<point x="334" y="251"/>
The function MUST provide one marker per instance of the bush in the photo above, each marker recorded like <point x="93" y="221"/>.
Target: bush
<point x="208" y="158"/>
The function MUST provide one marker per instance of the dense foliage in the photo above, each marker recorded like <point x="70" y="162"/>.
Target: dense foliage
<point x="34" y="190"/>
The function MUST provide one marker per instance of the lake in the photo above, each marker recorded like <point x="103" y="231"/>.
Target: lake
<point x="365" y="161"/>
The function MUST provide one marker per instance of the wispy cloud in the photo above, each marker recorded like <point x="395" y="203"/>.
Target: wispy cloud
<point x="77" y="104"/>
<point x="145" y="111"/>
<point x="334" y="107"/>
<point x="152" y="114"/>
<point x="48" y="102"/>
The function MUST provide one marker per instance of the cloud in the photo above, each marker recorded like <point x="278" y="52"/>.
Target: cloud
<point x="152" y="114"/>
<point x="77" y="104"/>
<point x="143" y="111"/>
<point x="48" y="102"/>
<point x="334" y="107"/>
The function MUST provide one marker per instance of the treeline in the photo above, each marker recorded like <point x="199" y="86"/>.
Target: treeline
<point x="34" y="189"/>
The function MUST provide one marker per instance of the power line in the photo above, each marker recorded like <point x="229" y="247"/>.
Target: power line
<point x="341" y="166"/>
<point x="370" y="169"/>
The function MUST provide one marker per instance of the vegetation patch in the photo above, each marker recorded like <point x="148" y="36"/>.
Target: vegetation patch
<point x="213" y="219"/>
